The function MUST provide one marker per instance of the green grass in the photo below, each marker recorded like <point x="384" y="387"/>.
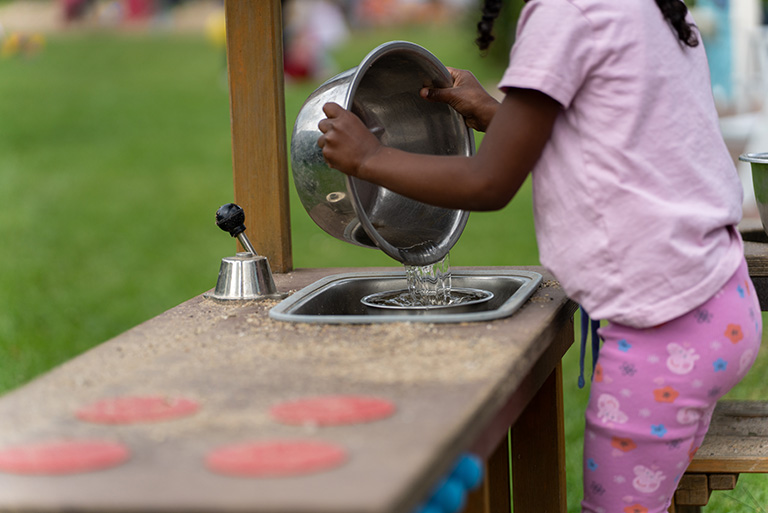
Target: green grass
<point x="114" y="155"/>
<point x="113" y="158"/>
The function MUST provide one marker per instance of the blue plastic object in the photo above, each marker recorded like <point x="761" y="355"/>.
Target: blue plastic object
<point x="428" y="508"/>
<point x="450" y="495"/>
<point x="469" y="470"/>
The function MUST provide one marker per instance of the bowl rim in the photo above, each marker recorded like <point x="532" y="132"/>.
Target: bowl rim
<point x="755" y="158"/>
<point x="463" y="216"/>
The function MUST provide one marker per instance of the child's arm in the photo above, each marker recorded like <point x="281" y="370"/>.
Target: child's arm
<point x="513" y="143"/>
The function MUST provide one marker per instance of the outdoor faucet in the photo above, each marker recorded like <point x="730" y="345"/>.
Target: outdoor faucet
<point x="245" y="276"/>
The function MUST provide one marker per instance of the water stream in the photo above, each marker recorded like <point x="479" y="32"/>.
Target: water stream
<point x="428" y="286"/>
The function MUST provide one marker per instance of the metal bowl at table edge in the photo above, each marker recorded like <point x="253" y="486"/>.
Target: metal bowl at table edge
<point x="384" y="92"/>
<point x="759" y="166"/>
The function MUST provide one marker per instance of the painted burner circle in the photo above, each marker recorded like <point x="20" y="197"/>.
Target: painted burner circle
<point x="135" y="409"/>
<point x="275" y="458"/>
<point x="58" y="457"/>
<point x="333" y="410"/>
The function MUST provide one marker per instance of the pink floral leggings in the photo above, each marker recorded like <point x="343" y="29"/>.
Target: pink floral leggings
<point x="653" y="393"/>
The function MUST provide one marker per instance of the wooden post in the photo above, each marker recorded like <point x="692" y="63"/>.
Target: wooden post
<point x="494" y="495"/>
<point x="257" y="115"/>
<point x="538" y="451"/>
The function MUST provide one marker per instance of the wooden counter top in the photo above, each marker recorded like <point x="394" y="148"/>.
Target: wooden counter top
<point x="456" y="387"/>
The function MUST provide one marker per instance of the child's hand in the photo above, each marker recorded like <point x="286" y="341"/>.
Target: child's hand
<point x="468" y="97"/>
<point x="346" y="142"/>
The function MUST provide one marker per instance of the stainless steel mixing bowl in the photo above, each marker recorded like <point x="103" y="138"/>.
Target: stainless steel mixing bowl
<point x="759" y="165"/>
<point x="384" y="92"/>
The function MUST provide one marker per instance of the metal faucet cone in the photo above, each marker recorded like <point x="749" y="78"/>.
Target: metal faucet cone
<point x="245" y="276"/>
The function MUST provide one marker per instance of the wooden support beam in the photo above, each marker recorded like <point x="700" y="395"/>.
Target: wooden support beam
<point x="494" y="495"/>
<point x="693" y="490"/>
<point x="722" y="481"/>
<point x="538" y="451"/>
<point x="685" y="509"/>
<point x="257" y="115"/>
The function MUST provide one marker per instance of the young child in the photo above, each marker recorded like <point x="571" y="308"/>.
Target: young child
<point x="609" y="106"/>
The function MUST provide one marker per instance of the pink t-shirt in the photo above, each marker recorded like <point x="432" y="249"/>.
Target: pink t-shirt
<point x="635" y="195"/>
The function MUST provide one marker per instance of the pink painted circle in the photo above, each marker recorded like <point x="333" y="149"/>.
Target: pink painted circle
<point x="134" y="409"/>
<point x="333" y="410"/>
<point x="62" y="457"/>
<point x="275" y="458"/>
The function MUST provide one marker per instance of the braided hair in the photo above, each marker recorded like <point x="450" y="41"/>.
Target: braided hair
<point x="674" y="12"/>
<point x="491" y="9"/>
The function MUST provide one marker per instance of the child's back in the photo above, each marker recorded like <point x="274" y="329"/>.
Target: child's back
<point x="636" y="189"/>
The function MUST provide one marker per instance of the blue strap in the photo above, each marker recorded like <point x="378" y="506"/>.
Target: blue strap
<point x="588" y="326"/>
<point x="583" y="344"/>
<point x="594" y="326"/>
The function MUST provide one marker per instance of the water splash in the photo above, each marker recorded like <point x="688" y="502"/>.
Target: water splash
<point x="429" y="285"/>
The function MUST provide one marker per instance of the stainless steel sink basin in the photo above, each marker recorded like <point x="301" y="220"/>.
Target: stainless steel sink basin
<point x="336" y="299"/>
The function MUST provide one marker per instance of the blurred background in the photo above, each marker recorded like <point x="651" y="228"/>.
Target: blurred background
<point x="115" y="152"/>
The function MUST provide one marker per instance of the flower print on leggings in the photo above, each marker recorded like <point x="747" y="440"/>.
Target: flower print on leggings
<point x="734" y="333"/>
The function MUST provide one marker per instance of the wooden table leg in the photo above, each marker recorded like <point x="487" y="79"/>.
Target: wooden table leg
<point x="536" y="446"/>
<point x="494" y="495"/>
<point x="538" y="459"/>
<point x="538" y="451"/>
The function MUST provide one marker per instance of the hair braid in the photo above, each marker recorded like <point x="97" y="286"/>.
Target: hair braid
<point x="491" y="9"/>
<point x="674" y="11"/>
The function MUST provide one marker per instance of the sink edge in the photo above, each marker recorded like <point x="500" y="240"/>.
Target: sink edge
<point x="281" y="311"/>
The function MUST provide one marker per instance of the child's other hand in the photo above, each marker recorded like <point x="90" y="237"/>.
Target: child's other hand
<point x="346" y="142"/>
<point x="468" y="97"/>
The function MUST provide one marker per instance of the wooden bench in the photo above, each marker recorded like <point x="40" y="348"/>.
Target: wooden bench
<point x="736" y="443"/>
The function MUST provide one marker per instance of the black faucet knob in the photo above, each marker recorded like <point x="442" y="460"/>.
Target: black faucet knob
<point x="231" y="219"/>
